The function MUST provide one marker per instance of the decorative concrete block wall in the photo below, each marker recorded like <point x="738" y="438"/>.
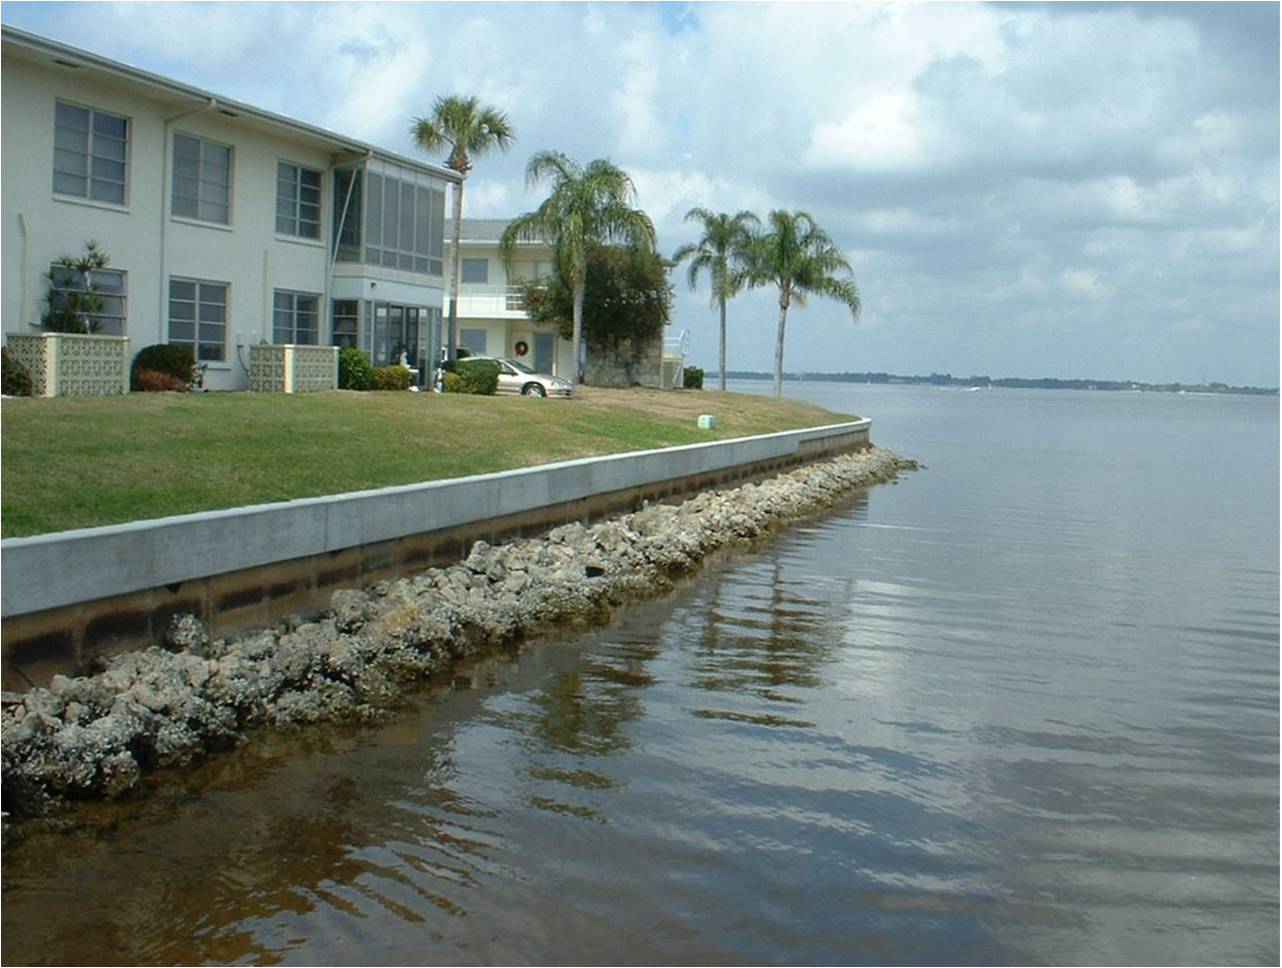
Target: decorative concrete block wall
<point x="292" y="368"/>
<point x="625" y="362"/>
<point x="73" y="364"/>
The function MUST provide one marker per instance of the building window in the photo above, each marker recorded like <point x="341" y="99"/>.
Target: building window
<point x="404" y="224"/>
<point x="475" y="270"/>
<point x="295" y="317"/>
<point x="107" y="287"/>
<point x="198" y="317"/>
<point x="298" y="208"/>
<point x="347" y="322"/>
<point x="89" y="153"/>
<point x="202" y="179"/>
<point x="472" y="340"/>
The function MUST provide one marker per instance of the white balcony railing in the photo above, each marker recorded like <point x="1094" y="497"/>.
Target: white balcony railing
<point x="477" y="300"/>
<point x="675" y="350"/>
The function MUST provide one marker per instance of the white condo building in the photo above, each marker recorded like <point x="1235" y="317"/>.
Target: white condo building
<point x="491" y="312"/>
<point x="226" y="225"/>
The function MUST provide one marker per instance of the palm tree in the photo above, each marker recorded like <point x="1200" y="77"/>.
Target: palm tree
<point x="799" y="257"/>
<point x="467" y="128"/>
<point x="720" y="252"/>
<point x="586" y="206"/>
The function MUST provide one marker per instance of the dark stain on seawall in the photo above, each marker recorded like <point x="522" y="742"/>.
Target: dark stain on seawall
<point x="94" y="736"/>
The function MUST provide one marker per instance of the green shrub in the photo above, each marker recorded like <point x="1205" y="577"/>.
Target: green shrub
<point x="478" y="376"/>
<point x="394" y="377"/>
<point x="176" y="361"/>
<point x="453" y="383"/>
<point x="14" y="376"/>
<point x="692" y="378"/>
<point x="354" y="371"/>
<point x="153" y="381"/>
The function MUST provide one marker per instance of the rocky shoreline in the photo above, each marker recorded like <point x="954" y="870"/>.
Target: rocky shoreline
<point x="93" y="737"/>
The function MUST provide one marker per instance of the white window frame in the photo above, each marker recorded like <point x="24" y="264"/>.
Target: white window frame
<point x="290" y="315"/>
<point x="349" y="338"/>
<point x="123" y="317"/>
<point x="195" y="342"/>
<point x="87" y="195"/>
<point x="200" y="180"/>
<point x="296" y="201"/>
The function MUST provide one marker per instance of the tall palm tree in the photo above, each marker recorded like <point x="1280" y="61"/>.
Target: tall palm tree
<point x="467" y="128"/>
<point x="799" y="258"/>
<point x="586" y="206"/>
<point x="720" y="252"/>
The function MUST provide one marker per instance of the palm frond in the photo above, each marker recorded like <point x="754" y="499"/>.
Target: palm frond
<point x="465" y="126"/>
<point x="550" y="166"/>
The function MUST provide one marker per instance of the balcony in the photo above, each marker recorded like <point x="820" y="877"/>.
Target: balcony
<point x="490" y="301"/>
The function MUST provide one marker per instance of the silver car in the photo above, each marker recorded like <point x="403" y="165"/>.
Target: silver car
<point x="517" y="378"/>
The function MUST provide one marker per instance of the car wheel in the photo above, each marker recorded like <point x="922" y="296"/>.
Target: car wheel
<point x="533" y="390"/>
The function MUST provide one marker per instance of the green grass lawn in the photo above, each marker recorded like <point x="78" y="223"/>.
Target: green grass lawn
<point x="74" y="463"/>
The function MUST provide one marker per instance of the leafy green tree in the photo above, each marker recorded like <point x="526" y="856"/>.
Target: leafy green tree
<point x="799" y="258"/>
<point x="626" y="295"/>
<point x="586" y="206"/>
<point x="467" y="128"/>
<point x="720" y="252"/>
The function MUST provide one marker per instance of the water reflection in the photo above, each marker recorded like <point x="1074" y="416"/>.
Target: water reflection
<point x="216" y="872"/>
<point x="770" y="635"/>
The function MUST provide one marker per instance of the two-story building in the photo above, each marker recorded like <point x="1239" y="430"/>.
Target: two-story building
<point x="491" y="312"/>
<point x="226" y="225"/>
<point x="493" y="322"/>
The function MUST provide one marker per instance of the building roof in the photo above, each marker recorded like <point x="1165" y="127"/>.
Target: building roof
<point x="42" y="49"/>
<point x="482" y="229"/>
<point x="485" y="231"/>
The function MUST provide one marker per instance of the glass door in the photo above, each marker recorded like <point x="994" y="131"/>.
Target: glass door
<point x="399" y="334"/>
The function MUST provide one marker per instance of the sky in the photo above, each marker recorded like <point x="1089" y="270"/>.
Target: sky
<point x="1023" y="189"/>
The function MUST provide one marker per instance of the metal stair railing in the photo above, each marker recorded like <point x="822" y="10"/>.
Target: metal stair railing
<point x="675" y="350"/>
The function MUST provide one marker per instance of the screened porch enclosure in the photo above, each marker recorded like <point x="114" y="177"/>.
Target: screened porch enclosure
<point x="393" y="218"/>
<point x="389" y="216"/>
<point x="388" y="330"/>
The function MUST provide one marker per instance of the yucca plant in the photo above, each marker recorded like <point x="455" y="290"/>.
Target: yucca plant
<point x="73" y="310"/>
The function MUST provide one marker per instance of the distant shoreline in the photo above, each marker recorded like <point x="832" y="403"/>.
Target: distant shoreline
<point x="1008" y="382"/>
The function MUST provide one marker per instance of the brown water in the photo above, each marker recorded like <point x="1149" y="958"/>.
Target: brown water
<point x="1021" y="707"/>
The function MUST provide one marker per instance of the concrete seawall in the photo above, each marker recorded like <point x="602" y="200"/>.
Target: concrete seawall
<point x="95" y="736"/>
<point x="71" y="599"/>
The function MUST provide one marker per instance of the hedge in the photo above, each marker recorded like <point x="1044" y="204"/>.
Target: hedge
<point x="354" y="370"/>
<point x="394" y="377"/>
<point x="176" y="361"/>
<point x="478" y="376"/>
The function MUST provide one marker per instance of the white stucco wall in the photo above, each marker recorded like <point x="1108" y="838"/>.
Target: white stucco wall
<point x="142" y="238"/>
<point x="482" y="305"/>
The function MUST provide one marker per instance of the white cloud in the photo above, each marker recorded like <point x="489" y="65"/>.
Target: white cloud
<point x="885" y="132"/>
<point x="1084" y="282"/>
<point x="486" y="198"/>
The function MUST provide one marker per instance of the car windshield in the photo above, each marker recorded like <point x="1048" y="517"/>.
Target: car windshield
<point x="520" y="367"/>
